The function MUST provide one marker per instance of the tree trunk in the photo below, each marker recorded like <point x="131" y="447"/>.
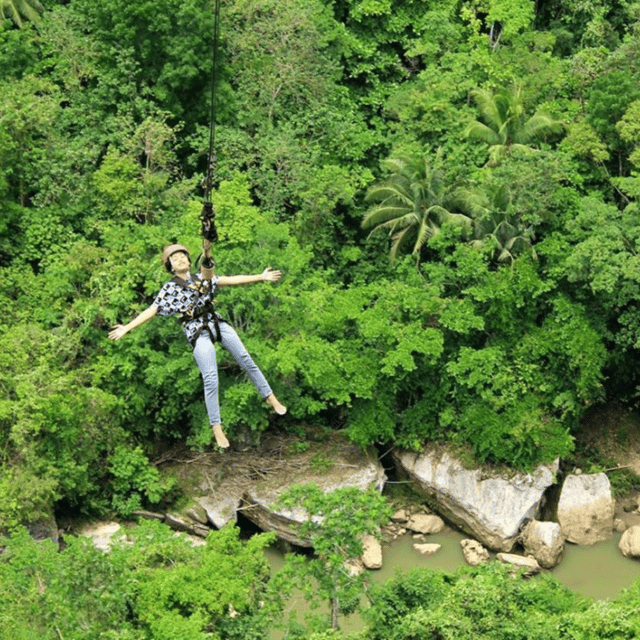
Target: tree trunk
<point x="335" y="612"/>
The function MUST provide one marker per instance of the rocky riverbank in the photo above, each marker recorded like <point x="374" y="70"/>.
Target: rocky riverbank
<point x="529" y="515"/>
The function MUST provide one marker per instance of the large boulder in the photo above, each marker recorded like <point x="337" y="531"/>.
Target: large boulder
<point x="490" y="507"/>
<point x="585" y="508"/>
<point x="221" y="506"/>
<point x="630" y="542"/>
<point x="544" y="541"/>
<point x="252" y="481"/>
<point x="345" y="465"/>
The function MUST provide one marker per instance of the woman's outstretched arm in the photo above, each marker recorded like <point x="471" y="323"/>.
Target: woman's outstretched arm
<point x="268" y="275"/>
<point x="120" y="330"/>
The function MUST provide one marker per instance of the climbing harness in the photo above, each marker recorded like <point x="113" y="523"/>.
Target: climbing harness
<point x="206" y="312"/>
<point x="207" y="216"/>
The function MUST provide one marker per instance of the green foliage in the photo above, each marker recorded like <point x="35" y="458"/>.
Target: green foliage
<point x="506" y="126"/>
<point x="472" y="603"/>
<point x="214" y="592"/>
<point x="151" y="585"/>
<point x="335" y="525"/>
<point x="500" y="337"/>
<point x="135" y="483"/>
<point x="79" y="593"/>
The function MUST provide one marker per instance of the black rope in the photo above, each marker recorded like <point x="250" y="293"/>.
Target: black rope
<point x="208" y="215"/>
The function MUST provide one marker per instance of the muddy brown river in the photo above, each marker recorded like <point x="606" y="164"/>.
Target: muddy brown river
<point x="599" y="572"/>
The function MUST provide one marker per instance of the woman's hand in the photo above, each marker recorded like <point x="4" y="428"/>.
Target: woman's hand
<point x="269" y="275"/>
<point x="117" y="331"/>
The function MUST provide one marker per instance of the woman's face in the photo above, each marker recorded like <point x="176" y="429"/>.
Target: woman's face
<point x="180" y="262"/>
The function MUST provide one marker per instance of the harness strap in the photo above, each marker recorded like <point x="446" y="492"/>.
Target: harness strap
<point x="207" y="312"/>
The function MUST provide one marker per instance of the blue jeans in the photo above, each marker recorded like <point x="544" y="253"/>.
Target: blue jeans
<point x="205" y="355"/>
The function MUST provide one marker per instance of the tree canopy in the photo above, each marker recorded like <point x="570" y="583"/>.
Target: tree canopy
<point x="510" y="305"/>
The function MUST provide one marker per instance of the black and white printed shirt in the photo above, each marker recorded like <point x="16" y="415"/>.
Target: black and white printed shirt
<point x="174" y="298"/>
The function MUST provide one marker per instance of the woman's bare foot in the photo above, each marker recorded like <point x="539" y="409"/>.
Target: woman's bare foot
<point x="275" y="404"/>
<point x="218" y="434"/>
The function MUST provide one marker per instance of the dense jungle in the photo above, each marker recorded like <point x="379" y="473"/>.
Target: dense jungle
<point x="451" y="191"/>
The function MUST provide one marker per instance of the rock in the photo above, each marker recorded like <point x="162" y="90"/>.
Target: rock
<point x="427" y="549"/>
<point x="354" y="567"/>
<point x="180" y="523"/>
<point x="148" y="515"/>
<point x="491" y="508"/>
<point x="630" y="542"/>
<point x="619" y="525"/>
<point x="197" y="513"/>
<point x="585" y="508"/>
<point x="101" y="533"/>
<point x="544" y="541"/>
<point x="222" y="506"/>
<point x="422" y="523"/>
<point x="196" y="541"/>
<point x="400" y="516"/>
<point x="372" y="555"/>
<point x="43" y="529"/>
<point x="474" y="553"/>
<point x="529" y="565"/>
<point x="347" y="466"/>
<point x="254" y="480"/>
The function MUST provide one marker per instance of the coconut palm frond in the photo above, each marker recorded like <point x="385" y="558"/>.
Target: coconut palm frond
<point x="388" y="190"/>
<point x="412" y="200"/>
<point x="17" y="10"/>
<point x="503" y="124"/>
<point x="384" y="215"/>
<point x="398" y="241"/>
<point x="538" y="125"/>
<point x="483" y="133"/>
<point x="426" y="230"/>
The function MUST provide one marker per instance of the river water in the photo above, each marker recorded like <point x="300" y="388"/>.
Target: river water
<point x="599" y="571"/>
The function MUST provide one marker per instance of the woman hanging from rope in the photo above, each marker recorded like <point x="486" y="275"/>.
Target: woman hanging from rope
<point x="191" y="296"/>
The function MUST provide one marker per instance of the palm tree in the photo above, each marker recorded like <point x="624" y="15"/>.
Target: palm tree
<point x="498" y="227"/>
<point x="505" y="125"/>
<point x="413" y="203"/>
<point x="16" y="10"/>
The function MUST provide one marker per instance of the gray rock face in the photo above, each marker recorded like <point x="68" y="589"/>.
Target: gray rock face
<point x="585" y="508"/>
<point x="544" y="541"/>
<point x="490" y="508"/>
<point x="629" y="543"/>
<point x="221" y="507"/>
<point x="101" y="533"/>
<point x="253" y="481"/>
<point x="349" y="467"/>
<point x="44" y="528"/>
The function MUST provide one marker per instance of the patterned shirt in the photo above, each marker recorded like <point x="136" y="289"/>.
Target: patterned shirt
<point x="174" y="298"/>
